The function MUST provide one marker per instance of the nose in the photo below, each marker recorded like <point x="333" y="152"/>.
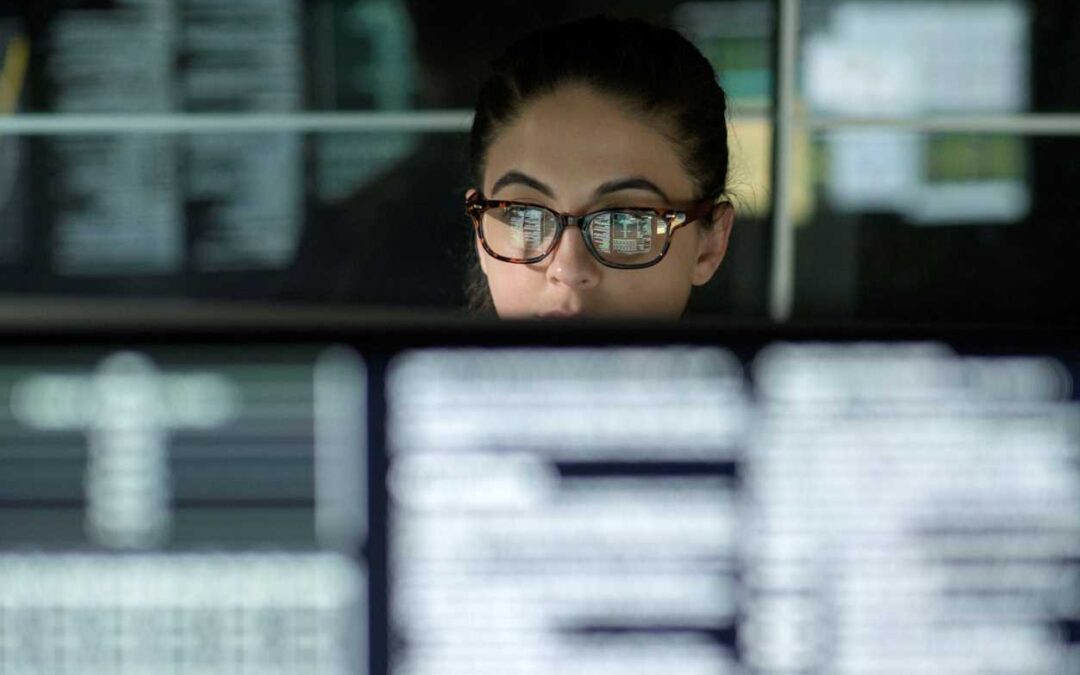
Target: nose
<point x="571" y="263"/>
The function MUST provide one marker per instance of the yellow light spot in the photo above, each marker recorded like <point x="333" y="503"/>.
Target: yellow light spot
<point x="16" y="58"/>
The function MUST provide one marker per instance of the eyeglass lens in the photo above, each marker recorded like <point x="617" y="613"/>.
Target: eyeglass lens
<point x="618" y="237"/>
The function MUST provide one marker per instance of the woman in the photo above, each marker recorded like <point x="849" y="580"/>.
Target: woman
<point x="599" y="156"/>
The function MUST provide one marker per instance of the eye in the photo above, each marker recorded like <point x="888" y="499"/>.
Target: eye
<point x="519" y="230"/>
<point x="625" y="236"/>
<point x="531" y="227"/>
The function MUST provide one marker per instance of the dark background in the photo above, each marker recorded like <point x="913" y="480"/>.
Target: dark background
<point x="397" y="238"/>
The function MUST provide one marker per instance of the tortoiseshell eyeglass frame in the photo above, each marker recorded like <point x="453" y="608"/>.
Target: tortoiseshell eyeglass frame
<point x="476" y="205"/>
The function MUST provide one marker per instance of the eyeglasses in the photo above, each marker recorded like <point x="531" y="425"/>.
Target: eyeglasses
<point x="623" y="238"/>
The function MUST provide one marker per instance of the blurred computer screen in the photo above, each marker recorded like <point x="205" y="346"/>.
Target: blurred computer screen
<point x="182" y="509"/>
<point x="445" y="501"/>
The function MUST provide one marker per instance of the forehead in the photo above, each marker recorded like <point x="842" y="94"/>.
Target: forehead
<point x="576" y="138"/>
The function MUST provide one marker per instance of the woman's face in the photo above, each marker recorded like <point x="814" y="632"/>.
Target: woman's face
<point x="576" y="151"/>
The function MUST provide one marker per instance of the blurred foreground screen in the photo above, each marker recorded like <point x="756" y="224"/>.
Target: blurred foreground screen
<point x="826" y="508"/>
<point x="181" y="511"/>
<point x="753" y="505"/>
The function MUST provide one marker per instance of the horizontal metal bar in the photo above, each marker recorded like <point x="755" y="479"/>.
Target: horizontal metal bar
<point x="426" y="121"/>
<point x="118" y="123"/>
<point x="1032" y="124"/>
<point x="457" y="121"/>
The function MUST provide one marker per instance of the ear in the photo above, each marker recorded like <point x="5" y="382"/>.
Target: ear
<point x="480" y="253"/>
<point x="713" y="243"/>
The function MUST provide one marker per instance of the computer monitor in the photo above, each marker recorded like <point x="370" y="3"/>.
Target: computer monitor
<point x="448" y="498"/>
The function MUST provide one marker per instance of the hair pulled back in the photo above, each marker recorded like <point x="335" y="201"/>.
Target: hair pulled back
<point x="654" y="71"/>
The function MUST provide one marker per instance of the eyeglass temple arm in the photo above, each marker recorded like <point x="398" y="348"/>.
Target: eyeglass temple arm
<point x="697" y="211"/>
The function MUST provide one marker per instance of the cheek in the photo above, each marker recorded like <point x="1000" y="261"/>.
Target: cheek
<point x="513" y="287"/>
<point x="655" y="291"/>
<point x="683" y="252"/>
<point x="676" y="269"/>
<point x="661" y="290"/>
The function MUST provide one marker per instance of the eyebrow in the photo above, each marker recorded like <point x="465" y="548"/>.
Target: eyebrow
<point x="518" y="178"/>
<point x="636" y="183"/>
<point x="515" y="177"/>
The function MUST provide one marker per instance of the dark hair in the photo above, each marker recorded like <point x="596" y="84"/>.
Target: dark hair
<point x="653" y="70"/>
